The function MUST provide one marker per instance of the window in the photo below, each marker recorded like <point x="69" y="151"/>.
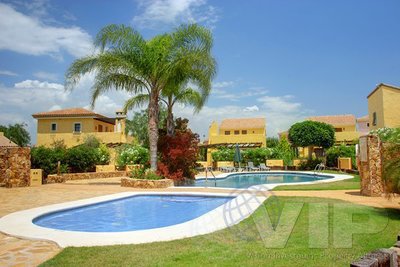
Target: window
<point x="338" y="130"/>
<point x="227" y="132"/>
<point x="77" y="127"/>
<point x="106" y="129"/>
<point x="237" y="132"/>
<point x="374" y="119"/>
<point x="54" y="127"/>
<point x="100" y="128"/>
<point x="367" y="124"/>
<point x="244" y="131"/>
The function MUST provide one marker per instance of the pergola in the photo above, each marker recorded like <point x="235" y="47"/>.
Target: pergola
<point x="230" y="145"/>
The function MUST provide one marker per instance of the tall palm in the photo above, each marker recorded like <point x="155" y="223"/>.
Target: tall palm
<point x="170" y="96"/>
<point x="126" y="61"/>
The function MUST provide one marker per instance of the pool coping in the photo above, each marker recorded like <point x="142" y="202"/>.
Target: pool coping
<point x="19" y="224"/>
<point x="267" y="187"/>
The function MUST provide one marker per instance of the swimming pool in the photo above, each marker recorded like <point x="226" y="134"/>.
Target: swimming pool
<point x="157" y="216"/>
<point x="245" y="180"/>
<point x="132" y="213"/>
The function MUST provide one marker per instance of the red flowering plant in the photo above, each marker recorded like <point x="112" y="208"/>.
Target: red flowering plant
<point x="178" y="152"/>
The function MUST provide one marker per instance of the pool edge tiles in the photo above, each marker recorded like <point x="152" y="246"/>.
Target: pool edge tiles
<point x="20" y="223"/>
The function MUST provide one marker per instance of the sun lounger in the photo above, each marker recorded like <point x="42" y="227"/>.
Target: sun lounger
<point x="227" y="169"/>
<point x="263" y="167"/>
<point x="251" y="167"/>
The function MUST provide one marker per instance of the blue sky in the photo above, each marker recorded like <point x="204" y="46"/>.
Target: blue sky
<point x="282" y="60"/>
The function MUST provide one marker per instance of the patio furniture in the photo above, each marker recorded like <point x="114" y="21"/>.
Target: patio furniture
<point x="264" y="168"/>
<point x="251" y="167"/>
<point x="227" y="169"/>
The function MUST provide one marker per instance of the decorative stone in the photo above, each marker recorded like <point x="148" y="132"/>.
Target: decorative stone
<point x="54" y="178"/>
<point x="377" y="258"/>
<point x="143" y="183"/>
<point x="15" y="165"/>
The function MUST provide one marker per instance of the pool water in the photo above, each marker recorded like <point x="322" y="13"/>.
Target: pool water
<point x="249" y="179"/>
<point x="132" y="213"/>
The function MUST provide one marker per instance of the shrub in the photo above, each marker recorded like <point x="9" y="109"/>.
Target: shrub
<point x="256" y="155"/>
<point x="132" y="154"/>
<point x="284" y="151"/>
<point x="223" y="154"/>
<point x="333" y="153"/>
<point x="143" y="173"/>
<point x="103" y="155"/>
<point x="272" y="142"/>
<point x="82" y="158"/>
<point x="310" y="164"/>
<point x="47" y="159"/>
<point x="391" y="168"/>
<point x="388" y="134"/>
<point x="178" y="154"/>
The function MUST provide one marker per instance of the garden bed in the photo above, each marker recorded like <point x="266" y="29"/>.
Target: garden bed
<point x="143" y="183"/>
<point x="54" y="178"/>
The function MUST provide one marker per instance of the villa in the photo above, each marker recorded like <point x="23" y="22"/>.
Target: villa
<point x="246" y="132"/>
<point x="73" y="125"/>
<point x="383" y="107"/>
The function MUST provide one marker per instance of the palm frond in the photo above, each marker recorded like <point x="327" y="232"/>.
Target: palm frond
<point x="136" y="101"/>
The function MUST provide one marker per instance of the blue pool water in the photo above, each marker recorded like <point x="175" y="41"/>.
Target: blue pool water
<point x="132" y="213"/>
<point x="249" y="179"/>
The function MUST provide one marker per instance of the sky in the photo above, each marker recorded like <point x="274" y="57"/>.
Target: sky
<point x="283" y="60"/>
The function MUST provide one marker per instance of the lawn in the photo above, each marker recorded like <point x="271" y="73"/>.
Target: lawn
<point x="349" y="184"/>
<point x="249" y="244"/>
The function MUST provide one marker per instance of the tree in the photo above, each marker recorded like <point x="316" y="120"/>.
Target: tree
<point x="126" y="61"/>
<point x="170" y="96"/>
<point x="16" y="133"/>
<point x="312" y="133"/>
<point x="137" y="126"/>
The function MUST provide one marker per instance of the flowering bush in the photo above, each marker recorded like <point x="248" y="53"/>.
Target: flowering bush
<point x="132" y="154"/>
<point x="388" y="134"/>
<point x="103" y="155"/>
<point x="223" y="154"/>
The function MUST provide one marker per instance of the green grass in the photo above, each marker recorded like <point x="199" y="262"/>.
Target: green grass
<point x="348" y="184"/>
<point x="241" y="245"/>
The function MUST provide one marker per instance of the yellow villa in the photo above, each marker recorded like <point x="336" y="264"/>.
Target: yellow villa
<point x="247" y="132"/>
<point x="73" y="125"/>
<point x="384" y="107"/>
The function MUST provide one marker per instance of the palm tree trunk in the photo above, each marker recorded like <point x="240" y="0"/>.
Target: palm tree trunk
<point x="153" y="129"/>
<point x="170" y="122"/>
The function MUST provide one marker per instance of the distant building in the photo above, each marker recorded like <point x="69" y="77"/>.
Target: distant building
<point x="384" y="107"/>
<point x="246" y="132"/>
<point x="345" y="127"/>
<point x="5" y="142"/>
<point x="363" y="125"/>
<point x="73" y="125"/>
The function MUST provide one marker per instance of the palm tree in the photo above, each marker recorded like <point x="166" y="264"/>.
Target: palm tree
<point x="170" y="96"/>
<point x="126" y="61"/>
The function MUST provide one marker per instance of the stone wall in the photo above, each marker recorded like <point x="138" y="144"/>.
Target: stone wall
<point x="369" y="162"/>
<point x="54" y="178"/>
<point x="142" y="183"/>
<point x="15" y="166"/>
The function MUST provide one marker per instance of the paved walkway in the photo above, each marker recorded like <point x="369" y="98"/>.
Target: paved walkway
<point x="23" y="252"/>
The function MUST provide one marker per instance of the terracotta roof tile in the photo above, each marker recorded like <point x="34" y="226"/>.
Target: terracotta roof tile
<point x="5" y="142"/>
<point x="69" y="112"/>
<point x="336" y="120"/>
<point x="246" y="123"/>
<point x="363" y="119"/>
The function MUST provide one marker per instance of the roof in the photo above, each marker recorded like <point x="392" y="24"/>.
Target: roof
<point x="69" y="112"/>
<point x="380" y="85"/>
<point x="5" y="142"/>
<point x="363" y="119"/>
<point x="246" y="123"/>
<point x="336" y="120"/>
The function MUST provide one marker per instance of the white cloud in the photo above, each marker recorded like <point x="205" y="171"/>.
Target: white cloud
<point x="235" y="95"/>
<point x="160" y="13"/>
<point x="251" y="109"/>
<point x="8" y="73"/>
<point x="29" y="35"/>
<point x="223" y="84"/>
<point x="46" y="75"/>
